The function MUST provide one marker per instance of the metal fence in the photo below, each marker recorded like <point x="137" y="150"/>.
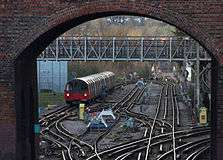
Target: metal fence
<point x="52" y="75"/>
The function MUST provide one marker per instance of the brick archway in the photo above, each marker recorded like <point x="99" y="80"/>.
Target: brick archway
<point x="74" y="15"/>
<point x="18" y="59"/>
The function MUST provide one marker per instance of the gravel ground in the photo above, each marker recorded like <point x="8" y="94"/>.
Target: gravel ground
<point x="120" y="135"/>
<point x="185" y="116"/>
<point x="46" y="110"/>
<point x="149" y="100"/>
<point x="77" y="127"/>
<point x="118" y="94"/>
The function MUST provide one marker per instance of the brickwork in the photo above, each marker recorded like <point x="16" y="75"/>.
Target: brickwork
<point x="28" y="26"/>
<point x="219" y="114"/>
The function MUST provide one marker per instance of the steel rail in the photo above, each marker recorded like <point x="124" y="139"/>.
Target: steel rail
<point x="61" y="112"/>
<point x="129" y="112"/>
<point x="63" y="155"/>
<point x="153" y="144"/>
<point x="164" y="115"/>
<point x="122" y="157"/>
<point x="197" y="153"/>
<point x="121" y="103"/>
<point x="56" y="123"/>
<point x="114" y="107"/>
<point x="177" y="106"/>
<point x="173" y="129"/>
<point x="195" y="145"/>
<point x="145" y="134"/>
<point x="165" y="104"/>
<point x="153" y="124"/>
<point x="140" y="141"/>
<point x="142" y="121"/>
<point x="69" y="149"/>
<point x="53" y="113"/>
<point x="180" y="147"/>
<point x="173" y="123"/>
<point x="130" y="106"/>
<point x="127" y="98"/>
<point x="159" y="121"/>
<point x="58" y="143"/>
<point x="68" y="136"/>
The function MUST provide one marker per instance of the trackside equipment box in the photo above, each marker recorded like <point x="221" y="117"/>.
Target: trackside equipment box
<point x="203" y="116"/>
<point x="81" y="111"/>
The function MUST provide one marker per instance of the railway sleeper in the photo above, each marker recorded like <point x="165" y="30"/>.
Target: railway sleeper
<point x="180" y="142"/>
<point x="162" y="149"/>
<point x="80" y="153"/>
<point x="122" y="150"/>
<point x="199" y="144"/>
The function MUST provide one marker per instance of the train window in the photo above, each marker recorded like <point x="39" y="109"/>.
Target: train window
<point x="68" y="87"/>
<point x="91" y="86"/>
<point x="95" y="88"/>
<point x="79" y="86"/>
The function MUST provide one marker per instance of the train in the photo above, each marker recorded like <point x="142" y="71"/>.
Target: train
<point x="87" y="88"/>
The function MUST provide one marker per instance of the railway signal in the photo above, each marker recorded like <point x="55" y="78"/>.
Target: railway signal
<point x="81" y="111"/>
<point x="203" y="116"/>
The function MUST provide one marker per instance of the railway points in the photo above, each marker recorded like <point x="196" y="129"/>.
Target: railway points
<point x="156" y="128"/>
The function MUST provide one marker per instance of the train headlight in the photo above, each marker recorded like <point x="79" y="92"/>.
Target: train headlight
<point x="85" y="94"/>
<point x="67" y="94"/>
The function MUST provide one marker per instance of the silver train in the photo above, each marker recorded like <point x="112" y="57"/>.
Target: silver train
<point x="89" y="87"/>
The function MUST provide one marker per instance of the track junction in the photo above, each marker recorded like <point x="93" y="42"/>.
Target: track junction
<point x="163" y="130"/>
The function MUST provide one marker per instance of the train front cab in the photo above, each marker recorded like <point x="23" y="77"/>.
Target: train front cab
<point x="76" y="91"/>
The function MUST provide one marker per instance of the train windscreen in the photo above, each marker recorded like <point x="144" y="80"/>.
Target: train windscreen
<point x="76" y="86"/>
<point x="68" y="87"/>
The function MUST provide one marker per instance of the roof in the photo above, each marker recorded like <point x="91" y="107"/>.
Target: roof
<point x="95" y="77"/>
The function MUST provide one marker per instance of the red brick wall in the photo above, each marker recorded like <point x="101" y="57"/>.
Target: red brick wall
<point x="27" y="27"/>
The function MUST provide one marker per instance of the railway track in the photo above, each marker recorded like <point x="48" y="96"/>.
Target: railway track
<point x="141" y="144"/>
<point x="130" y="105"/>
<point x="118" y="108"/>
<point x="47" y="122"/>
<point x="162" y="134"/>
<point x="144" y="119"/>
<point x="58" y="135"/>
<point x="174" y="137"/>
<point x="55" y="133"/>
<point x="49" y="117"/>
<point x="173" y="124"/>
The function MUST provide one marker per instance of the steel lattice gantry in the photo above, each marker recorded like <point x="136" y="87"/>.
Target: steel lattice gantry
<point x="124" y="49"/>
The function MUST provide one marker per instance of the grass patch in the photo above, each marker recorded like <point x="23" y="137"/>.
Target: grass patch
<point x="50" y="98"/>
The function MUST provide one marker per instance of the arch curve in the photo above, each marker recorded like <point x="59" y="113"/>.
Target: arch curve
<point x="67" y="18"/>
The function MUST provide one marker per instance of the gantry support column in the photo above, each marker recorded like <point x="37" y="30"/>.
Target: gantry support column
<point x="198" y="77"/>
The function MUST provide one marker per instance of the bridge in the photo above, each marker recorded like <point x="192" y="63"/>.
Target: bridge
<point x="124" y="49"/>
